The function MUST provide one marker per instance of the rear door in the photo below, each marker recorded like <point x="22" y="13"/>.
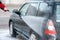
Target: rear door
<point x="32" y="11"/>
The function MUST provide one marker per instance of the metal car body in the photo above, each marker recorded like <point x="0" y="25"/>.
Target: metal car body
<point x="34" y="17"/>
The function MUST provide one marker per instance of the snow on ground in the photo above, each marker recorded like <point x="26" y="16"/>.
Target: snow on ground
<point x="5" y="14"/>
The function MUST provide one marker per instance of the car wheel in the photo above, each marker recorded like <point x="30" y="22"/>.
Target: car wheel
<point x="12" y="30"/>
<point x="33" y="37"/>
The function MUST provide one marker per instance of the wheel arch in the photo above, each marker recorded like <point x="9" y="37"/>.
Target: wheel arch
<point x="33" y="32"/>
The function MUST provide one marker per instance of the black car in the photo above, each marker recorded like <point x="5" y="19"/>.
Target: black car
<point x="34" y="21"/>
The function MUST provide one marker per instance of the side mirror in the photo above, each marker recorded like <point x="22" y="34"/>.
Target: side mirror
<point x="16" y="11"/>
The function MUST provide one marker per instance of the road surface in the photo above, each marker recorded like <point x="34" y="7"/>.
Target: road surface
<point x="4" y="29"/>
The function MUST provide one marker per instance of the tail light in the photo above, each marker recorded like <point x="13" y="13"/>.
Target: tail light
<point x="51" y="29"/>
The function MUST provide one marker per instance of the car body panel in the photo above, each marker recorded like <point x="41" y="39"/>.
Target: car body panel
<point x="38" y="24"/>
<point x="31" y="20"/>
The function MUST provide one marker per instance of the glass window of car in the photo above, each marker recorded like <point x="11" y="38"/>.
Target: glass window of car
<point x="44" y="9"/>
<point x="33" y="8"/>
<point x="58" y="12"/>
<point x="35" y="5"/>
<point x="24" y="9"/>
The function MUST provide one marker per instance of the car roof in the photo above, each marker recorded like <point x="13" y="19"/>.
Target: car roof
<point x="42" y="1"/>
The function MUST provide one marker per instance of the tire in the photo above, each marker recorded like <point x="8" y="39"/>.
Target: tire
<point x="12" y="31"/>
<point x="34" y="36"/>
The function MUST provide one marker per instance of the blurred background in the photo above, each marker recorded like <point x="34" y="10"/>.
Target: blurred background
<point x="13" y="4"/>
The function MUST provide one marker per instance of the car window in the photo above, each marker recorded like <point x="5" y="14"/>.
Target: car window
<point x="44" y="9"/>
<point x="58" y="12"/>
<point x="33" y="8"/>
<point x="24" y="9"/>
<point x="35" y="5"/>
